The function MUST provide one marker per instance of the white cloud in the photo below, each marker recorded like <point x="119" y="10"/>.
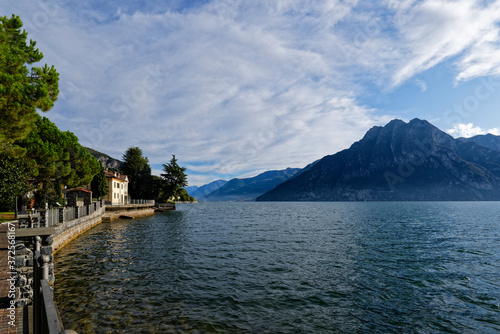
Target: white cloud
<point x="236" y="87"/>
<point x="421" y="84"/>
<point x="469" y="130"/>
<point x="435" y="30"/>
<point x="238" y="94"/>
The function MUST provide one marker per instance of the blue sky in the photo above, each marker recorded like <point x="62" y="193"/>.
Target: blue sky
<point x="234" y="88"/>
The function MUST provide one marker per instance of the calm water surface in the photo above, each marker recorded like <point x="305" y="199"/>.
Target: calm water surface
<point x="288" y="268"/>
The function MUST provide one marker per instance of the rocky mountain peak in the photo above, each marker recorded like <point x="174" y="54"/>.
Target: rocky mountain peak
<point x="400" y="161"/>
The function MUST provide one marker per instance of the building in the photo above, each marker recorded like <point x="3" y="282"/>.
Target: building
<point x="79" y="197"/>
<point x="117" y="188"/>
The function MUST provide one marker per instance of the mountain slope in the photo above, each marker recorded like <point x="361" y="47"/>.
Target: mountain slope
<point x="488" y="140"/>
<point x="107" y="161"/>
<point x="250" y="188"/>
<point x="201" y="192"/>
<point x="400" y="161"/>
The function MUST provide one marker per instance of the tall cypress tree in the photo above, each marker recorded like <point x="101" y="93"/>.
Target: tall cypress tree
<point x="136" y="167"/>
<point x="99" y="184"/>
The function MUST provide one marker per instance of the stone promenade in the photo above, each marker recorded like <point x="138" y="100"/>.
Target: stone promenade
<point x="6" y="314"/>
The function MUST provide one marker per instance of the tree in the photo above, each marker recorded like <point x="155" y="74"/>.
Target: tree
<point x="58" y="158"/>
<point x="174" y="177"/>
<point x="99" y="184"/>
<point x="45" y="146"/>
<point x="184" y="196"/>
<point x="14" y="176"/>
<point x="58" y="155"/>
<point x="83" y="165"/>
<point x="157" y="189"/>
<point x="23" y="87"/>
<point x="136" y="167"/>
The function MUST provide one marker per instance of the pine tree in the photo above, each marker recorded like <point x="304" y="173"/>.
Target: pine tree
<point x="23" y="88"/>
<point x="174" y="177"/>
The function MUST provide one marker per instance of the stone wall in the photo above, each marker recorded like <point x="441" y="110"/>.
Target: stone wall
<point x="110" y="216"/>
<point x="73" y="228"/>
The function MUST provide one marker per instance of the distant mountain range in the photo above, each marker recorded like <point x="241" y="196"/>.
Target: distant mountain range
<point x="401" y="161"/>
<point x="246" y="189"/>
<point x="107" y="161"/>
<point x="200" y="192"/>
<point x="250" y="188"/>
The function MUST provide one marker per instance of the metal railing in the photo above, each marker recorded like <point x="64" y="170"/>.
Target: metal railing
<point x="45" y="314"/>
<point x="52" y="217"/>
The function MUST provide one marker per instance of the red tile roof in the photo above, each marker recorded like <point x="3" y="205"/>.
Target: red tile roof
<point x="79" y="189"/>
<point x="116" y="175"/>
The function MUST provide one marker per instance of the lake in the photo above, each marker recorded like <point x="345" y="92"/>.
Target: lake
<point x="336" y="267"/>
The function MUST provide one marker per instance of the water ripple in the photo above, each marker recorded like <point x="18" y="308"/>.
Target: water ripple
<point x="287" y="268"/>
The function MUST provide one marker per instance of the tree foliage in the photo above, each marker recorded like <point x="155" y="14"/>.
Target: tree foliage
<point x="157" y="189"/>
<point x="99" y="184"/>
<point x="58" y="159"/>
<point x="184" y="196"/>
<point x="58" y="155"/>
<point x="23" y="88"/>
<point x="14" y="176"/>
<point x="174" y="178"/>
<point x="137" y="168"/>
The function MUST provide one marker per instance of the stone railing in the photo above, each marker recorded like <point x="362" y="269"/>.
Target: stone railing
<point x="53" y="217"/>
<point x="45" y="314"/>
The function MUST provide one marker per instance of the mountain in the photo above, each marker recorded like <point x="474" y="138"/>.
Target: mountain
<point x="249" y="188"/>
<point x="400" y="161"/>
<point x="200" y="192"/>
<point x="107" y="161"/>
<point x="487" y="140"/>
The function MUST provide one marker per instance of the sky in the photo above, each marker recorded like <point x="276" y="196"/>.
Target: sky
<point x="234" y="88"/>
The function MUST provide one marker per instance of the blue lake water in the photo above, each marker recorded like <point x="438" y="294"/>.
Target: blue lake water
<point x="372" y="267"/>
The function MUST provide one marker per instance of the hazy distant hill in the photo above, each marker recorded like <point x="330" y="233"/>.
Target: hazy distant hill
<point x="249" y="188"/>
<point x="400" y="161"/>
<point x="107" y="161"/>
<point x="200" y="192"/>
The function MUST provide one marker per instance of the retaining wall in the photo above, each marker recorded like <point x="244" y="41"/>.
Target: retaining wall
<point x="68" y="231"/>
<point x="110" y="216"/>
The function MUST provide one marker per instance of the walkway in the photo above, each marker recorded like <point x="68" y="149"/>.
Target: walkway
<point x="5" y="327"/>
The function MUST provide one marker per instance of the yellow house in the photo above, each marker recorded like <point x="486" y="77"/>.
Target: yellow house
<point x="117" y="188"/>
